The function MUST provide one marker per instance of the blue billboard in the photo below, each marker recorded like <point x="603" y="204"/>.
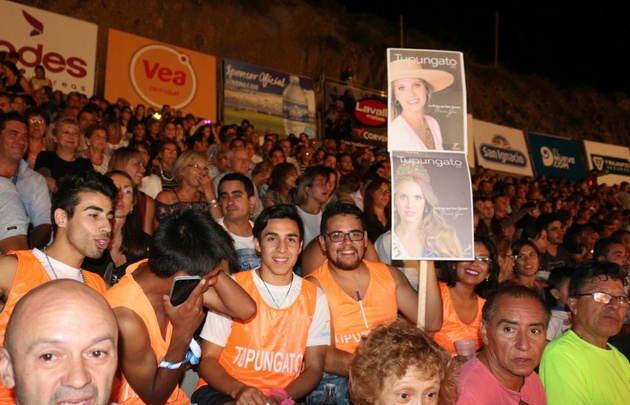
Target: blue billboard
<point x="555" y="156"/>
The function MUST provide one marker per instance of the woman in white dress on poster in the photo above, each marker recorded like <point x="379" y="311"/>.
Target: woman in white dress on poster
<point x="411" y="88"/>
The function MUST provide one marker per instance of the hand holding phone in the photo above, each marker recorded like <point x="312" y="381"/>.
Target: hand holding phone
<point x="182" y="287"/>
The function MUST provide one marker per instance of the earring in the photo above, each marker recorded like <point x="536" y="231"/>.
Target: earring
<point x="396" y="102"/>
<point x="487" y="278"/>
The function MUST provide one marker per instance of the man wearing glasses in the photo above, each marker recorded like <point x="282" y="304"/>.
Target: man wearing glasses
<point x="361" y="294"/>
<point x="581" y="367"/>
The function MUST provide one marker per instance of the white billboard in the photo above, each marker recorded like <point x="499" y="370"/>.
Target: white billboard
<point x="65" y="46"/>
<point x="501" y="148"/>
<point x="612" y="159"/>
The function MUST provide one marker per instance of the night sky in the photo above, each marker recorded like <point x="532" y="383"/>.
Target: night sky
<point x="573" y="45"/>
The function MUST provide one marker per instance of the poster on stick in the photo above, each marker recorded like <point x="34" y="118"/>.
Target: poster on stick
<point x="431" y="207"/>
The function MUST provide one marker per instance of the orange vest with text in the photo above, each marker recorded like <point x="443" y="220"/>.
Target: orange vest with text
<point x="267" y="350"/>
<point x="29" y="274"/>
<point x="379" y="304"/>
<point x="128" y="294"/>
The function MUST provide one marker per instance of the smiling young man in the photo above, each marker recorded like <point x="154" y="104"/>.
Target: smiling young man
<point x="82" y="213"/>
<point x="513" y="328"/>
<point x="361" y="293"/>
<point x="581" y="367"/>
<point x="280" y="352"/>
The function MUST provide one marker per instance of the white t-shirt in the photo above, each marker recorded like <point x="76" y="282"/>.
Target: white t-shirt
<point x="244" y="245"/>
<point x="311" y="225"/>
<point x="217" y="328"/>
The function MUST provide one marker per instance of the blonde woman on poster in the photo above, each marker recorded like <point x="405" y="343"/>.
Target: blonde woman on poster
<point x="420" y="230"/>
<point x="411" y="88"/>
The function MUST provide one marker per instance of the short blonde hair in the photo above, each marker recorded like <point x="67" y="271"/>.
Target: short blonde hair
<point x="190" y="157"/>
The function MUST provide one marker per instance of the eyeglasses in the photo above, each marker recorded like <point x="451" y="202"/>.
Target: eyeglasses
<point x="531" y="256"/>
<point x="34" y="121"/>
<point x="171" y="151"/>
<point x="339" y="236"/>
<point x="384" y="191"/>
<point x="483" y="259"/>
<point x="198" y="167"/>
<point x="604" y="298"/>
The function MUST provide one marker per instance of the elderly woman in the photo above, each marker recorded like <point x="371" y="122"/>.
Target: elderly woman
<point x="419" y="229"/>
<point x="96" y="142"/>
<point x="399" y="363"/>
<point x="194" y="188"/>
<point x="412" y="85"/>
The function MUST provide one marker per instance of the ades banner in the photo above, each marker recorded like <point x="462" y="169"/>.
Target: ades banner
<point x="555" y="156"/>
<point x="613" y="159"/>
<point x="153" y="73"/>
<point x="355" y="114"/>
<point x="281" y="101"/>
<point x="501" y="148"/>
<point x="64" y="46"/>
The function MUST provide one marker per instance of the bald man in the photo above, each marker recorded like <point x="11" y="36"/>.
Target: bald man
<point x="60" y="346"/>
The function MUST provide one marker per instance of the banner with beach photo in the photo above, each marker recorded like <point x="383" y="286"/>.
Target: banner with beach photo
<point x="427" y="100"/>
<point x="431" y="206"/>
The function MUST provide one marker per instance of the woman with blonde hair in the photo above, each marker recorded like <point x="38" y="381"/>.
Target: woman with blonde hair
<point x="400" y="363"/>
<point x="194" y="188"/>
<point x="420" y="230"/>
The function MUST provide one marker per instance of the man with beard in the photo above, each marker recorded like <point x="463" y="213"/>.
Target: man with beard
<point x="82" y="214"/>
<point x="361" y="294"/>
<point x="54" y="323"/>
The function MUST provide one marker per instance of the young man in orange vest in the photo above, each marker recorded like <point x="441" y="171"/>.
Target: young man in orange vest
<point x="279" y="354"/>
<point x="82" y="214"/>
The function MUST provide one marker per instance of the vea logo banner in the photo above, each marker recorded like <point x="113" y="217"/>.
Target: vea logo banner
<point x="556" y="156"/>
<point x="354" y="114"/>
<point x="153" y="73"/>
<point x="281" y="101"/>
<point x="501" y="148"/>
<point x="65" y="46"/>
<point x="614" y="160"/>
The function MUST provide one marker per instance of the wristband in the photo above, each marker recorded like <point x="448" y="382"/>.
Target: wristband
<point x="193" y="356"/>
<point x="213" y="203"/>
<point x="279" y="392"/>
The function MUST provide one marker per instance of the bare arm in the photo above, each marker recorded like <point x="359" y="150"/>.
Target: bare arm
<point x="214" y="374"/>
<point x="228" y="298"/>
<point x="407" y="298"/>
<point x="50" y="181"/>
<point x="8" y="267"/>
<point x="16" y="242"/>
<point x="314" y="359"/>
<point x="149" y="216"/>
<point x="154" y="385"/>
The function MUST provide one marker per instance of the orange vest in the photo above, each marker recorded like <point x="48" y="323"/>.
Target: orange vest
<point x="452" y="328"/>
<point x="128" y="294"/>
<point x="379" y="304"/>
<point x="266" y="352"/>
<point x="29" y="274"/>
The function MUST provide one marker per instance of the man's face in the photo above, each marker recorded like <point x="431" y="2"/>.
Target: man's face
<point x="501" y="205"/>
<point x="18" y="105"/>
<point x="286" y="147"/>
<point x="279" y="246"/>
<point x="555" y="234"/>
<point x="5" y="105"/>
<point x="514" y="338"/>
<point x="593" y="321"/>
<point x="239" y="162"/>
<point x="234" y="201"/>
<point x="67" y="355"/>
<point x="89" y="228"/>
<point x="487" y="209"/>
<point x="330" y="161"/>
<point x="617" y="254"/>
<point x="13" y="141"/>
<point x="346" y="255"/>
<point x="276" y="157"/>
<point x="345" y="164"/>
<point x="86" y="119"/>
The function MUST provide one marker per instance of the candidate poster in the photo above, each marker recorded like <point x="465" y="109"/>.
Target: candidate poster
<point x="431" y="206"/>
<point x="614" y="160"/>
<point x="280" y="101"/>
<point x="153" y="73"/>
<point x="501" y="148"/>
<point x="427" y="100"/>
<point x="354" y="114"/>
<point x="556" y="156"/>
<point x="64" y="46"/>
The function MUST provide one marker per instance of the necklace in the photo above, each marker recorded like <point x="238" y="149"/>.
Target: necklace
<point x="285" y="296"/>
<point x="55" y="273"/>
<point x="165" y="175"/>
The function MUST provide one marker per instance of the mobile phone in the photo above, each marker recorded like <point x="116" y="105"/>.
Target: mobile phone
<point x="182" y="287"/>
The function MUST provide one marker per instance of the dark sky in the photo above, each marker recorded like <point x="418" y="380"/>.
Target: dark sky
<point x="571" y="44"/>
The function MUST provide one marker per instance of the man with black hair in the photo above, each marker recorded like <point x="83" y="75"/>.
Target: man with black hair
<point x="581" y="366"/>
<point x="279" y="353"/>
<point x="155" y="335"/>
<point x="610" y="250"/>
<point x="82" y="213"/>
<point x="556" y="255"/>
<point x="361" y="294"/>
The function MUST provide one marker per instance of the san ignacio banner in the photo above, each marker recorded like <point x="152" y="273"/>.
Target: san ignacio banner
<point x="501" y="148"/>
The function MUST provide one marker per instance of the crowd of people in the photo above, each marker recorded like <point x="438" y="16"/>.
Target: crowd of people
<point x="291" y="243"/>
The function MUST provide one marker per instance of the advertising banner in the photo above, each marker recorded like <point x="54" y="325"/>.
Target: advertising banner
<point x="556" y="156"/>
<point x="427" y="100"/>
<point x="64" y="46"/>
<point x="501" y="148"/>
<point x="613" y="159"/>
<point x="355" y="114"/>
<point x="145" y="71"/>
<point x="431" y="206"/>
<point x="281" y="101"/>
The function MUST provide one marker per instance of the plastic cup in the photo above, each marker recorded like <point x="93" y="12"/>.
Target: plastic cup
<point x="465" y="347"/>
